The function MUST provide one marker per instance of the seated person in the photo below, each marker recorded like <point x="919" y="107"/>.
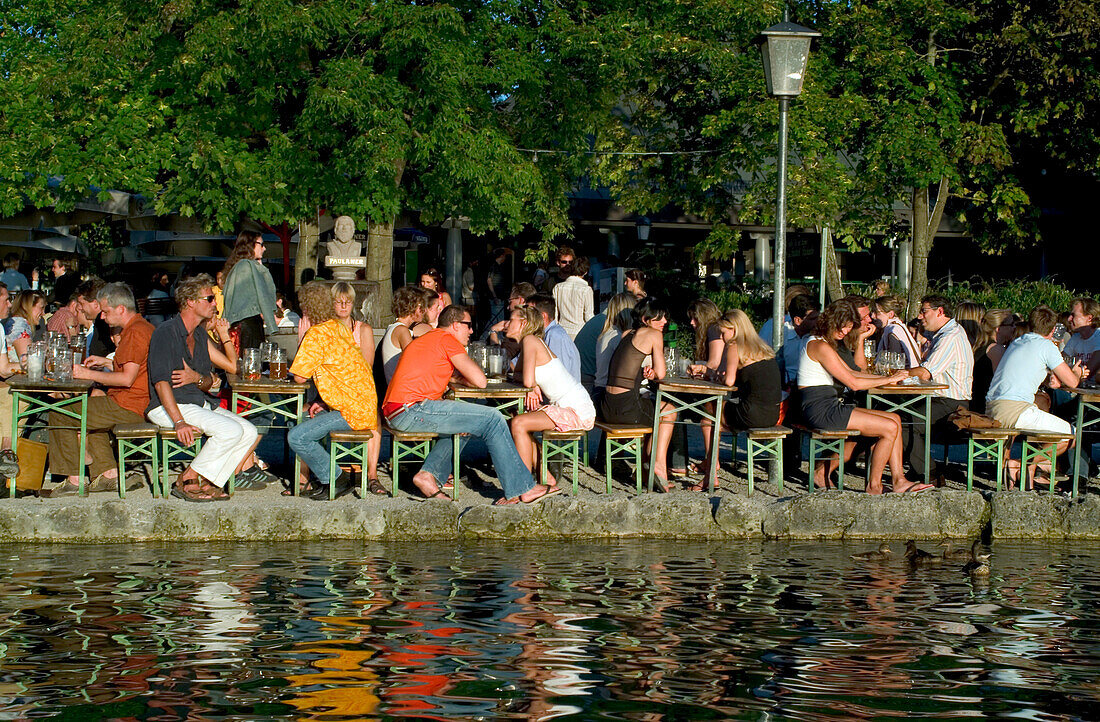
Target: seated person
<point x="819" y="370"/>
<point x="1023" y="368"/>
<point x="408" y="309"/>
<point x="895" y="335"/>
<point x="433" y="306"/>
<point x="619" y="320"/>
<point x="555" y="335"/>
<point x="557" y="401"/>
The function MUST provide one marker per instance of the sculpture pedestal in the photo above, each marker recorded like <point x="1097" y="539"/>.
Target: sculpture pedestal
<point x="367" y="301"/>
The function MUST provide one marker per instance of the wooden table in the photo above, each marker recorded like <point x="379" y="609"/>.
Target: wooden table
<point x="684" y="394"/>
<point x="281" y="398"/>
<point x="506" y="396"/>
<point x="906" y="400"/>
<point x="1088" y="400"/>
<point x="43" y="397"/>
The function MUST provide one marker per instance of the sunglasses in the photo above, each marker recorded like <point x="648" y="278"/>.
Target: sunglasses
<point x="468" y="324"/>
<point x="208" y="299"/>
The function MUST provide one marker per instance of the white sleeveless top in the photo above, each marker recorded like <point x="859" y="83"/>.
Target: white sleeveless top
<point x="391" y="354"/>
<point x="810" y="372"/>
<point x="561" y="389"/>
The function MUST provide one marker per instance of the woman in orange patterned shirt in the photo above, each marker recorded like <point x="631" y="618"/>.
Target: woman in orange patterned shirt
<point x="333" y="354"/>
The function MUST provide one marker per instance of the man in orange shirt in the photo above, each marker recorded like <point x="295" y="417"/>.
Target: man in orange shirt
<point x="127" y="396"/>
<point x="414" y="403"/>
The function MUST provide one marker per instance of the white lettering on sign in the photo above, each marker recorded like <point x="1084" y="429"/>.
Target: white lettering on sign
<point x="357" y="261"/>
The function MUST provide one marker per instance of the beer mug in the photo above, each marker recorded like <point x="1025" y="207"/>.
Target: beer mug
<point x="252" y="364"/>
<point x="36" y="361"/>
<point x="277" y="365"/>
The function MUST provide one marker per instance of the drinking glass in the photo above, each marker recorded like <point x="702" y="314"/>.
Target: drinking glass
<point x="267" y="351"/>
<point x="252" y="364"/>
<point x="36" y="361"/>
<point x="278" y="364"/>
<point x="495" y="361"/>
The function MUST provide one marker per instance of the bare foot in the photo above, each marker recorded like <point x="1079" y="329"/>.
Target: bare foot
<point x="426" y="483"/>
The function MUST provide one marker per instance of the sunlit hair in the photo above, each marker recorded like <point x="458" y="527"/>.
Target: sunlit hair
<point x="969" y="315"/>
<point x="343" y="289"/>
<point x="406" y="301"/>
<point x="117" y="294"/>
<point x="315" y="300"/>
<point x="436" y="276"/>
<point x="993" y="319"/>
<point x="750" y="347"/>
<point x="1089" y="307"/>
<point x="452" y="314"/>
<point x="648" y="309"/>
<point x="243" y="250"/>
<point x="888" y="304"/>
<point x="532" y="321"/>
<point x="191" y="289"/>
<point x="619" y="303"/>
<point x="1042" y="319"/>
<point x="836" y="316"/>
<point x="969" y="311"/>
<point x="429" y="298"/>
<point x="704" y="312"/>
<point x="23" y="305"/>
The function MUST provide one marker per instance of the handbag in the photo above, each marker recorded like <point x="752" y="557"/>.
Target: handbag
<point x="963" y="419"/>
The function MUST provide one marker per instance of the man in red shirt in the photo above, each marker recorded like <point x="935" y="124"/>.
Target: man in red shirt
<point x="127" y="396"/>
<point x="414" y="403"/>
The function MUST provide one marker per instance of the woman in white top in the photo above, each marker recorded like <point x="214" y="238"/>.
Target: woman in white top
<point x="895" y="334"/>
<point x="408" y="308"/>
<point x="556" y="402"/>
<point x="819" y="369"/>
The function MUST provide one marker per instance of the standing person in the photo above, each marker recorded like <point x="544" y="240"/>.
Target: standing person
<point x="180" y="375"/>
<point x="469" y="283"/>
<point x="949" y="360"/>
<point x="1025" y="365"/>
<point x="336" y="360"/>
<point x="127" y="382"/>
<point x="573" y="298"/>
<point x="160" y="291"/>
<point x="622" y="401"/>
<point x="564" y="257"/>
<point x="12" y="279"/>
<point x="895" y="335"/>
<point x="634" y="282"/>
<point x="26" y="312"/>
<point x="819" y="370"/>
<point x="556" y="337"/>
<point x="414" y="403"/>
<point x="556" y="402"/>
<point x="497" y="280"/>
<point x="432" y="280"/>
<point x="66" y="279"/>
<point x="407" y="308"/>
<point x="249" y="291"/>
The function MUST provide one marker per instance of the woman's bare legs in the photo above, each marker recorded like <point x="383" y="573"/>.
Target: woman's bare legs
<point x="523" y="428"/>
<point x="886" y="427"/>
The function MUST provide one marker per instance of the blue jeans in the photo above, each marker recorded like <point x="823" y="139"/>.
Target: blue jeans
<point x="306" y="438"/>
<point x="482" y="422"/>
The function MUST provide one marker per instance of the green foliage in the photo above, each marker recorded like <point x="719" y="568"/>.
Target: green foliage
<point x="1020" y="296"/>
<point x="754" y="300"/>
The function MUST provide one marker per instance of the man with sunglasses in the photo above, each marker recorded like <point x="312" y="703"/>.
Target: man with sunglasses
<point x="180" y="377"/>
<point x="414" y="404"/>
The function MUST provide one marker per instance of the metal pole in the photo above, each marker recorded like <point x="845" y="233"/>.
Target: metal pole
<point x="780" y="271"/>
<point x="825" y="239"/>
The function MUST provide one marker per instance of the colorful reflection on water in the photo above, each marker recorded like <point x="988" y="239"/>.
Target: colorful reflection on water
<point x="648" y="630"/>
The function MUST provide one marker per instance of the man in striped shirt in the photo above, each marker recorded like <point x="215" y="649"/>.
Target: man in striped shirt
<point x="950" y="361"/>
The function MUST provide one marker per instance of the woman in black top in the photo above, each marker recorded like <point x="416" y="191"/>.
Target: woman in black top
<point x="622" y="402"/>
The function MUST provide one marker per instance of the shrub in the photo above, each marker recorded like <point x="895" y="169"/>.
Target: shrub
<point x="1020" y="296"/>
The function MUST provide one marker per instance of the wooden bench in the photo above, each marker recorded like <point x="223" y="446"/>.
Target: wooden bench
<point x="1041" y="445"/>
<point x="623" y="441"/>
<point x="987" y="445"/>
<point x="352" y="445"/>
<point x="418" y="444"/>
<point x="826" y="441"/>
<point x="565" y="445"/>
<point x="142" y="441"/>
<point x="766" y="441"/>
<point x="171" y="450"/>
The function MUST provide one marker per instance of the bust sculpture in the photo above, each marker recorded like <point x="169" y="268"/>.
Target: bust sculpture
<point x="344" y="251"/>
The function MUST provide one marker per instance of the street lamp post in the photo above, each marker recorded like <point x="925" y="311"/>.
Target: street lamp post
<point x="785" y="49"/>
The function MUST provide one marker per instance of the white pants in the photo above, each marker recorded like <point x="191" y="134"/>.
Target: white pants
<point x="1038" y="420"/>
<point x="229" y="438"/>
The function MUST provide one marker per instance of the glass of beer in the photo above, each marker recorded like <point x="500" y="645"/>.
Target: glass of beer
<point x="278" y="364"/>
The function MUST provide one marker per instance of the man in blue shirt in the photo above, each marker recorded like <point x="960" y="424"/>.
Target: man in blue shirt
<point x="556" y="337"/>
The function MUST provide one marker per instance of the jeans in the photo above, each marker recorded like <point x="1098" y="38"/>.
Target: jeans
<point x="305" y="441"/>
<point x="482" y="422"/>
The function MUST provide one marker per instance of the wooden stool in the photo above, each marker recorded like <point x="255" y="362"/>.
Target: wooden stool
<point x="768" y="442"/>
<point x="169" y="446"/>
<point x="139" y="441"/>
<point x="349" y="445"/>
<point x="1040" y="444"/>
<point x="824" y="441"/>
<point x="623" y="441"/>
<point x="562" y="444"/>
<point x="987" y="445"/>
<point x="416" y="444"/>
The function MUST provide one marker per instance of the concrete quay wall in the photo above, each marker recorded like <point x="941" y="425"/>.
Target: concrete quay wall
<point x="832" y="515"/>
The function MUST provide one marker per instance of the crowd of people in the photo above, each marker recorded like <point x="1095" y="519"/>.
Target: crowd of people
<point x="581" y="363"/>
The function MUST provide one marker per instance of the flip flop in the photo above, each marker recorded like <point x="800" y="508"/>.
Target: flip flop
<point x="916" y="489"/>
<point x="193" y="496"/>
<point x="439" y="494"/>
<point x="375" y="487"/>
<point x="551" y="491"/>
<point x="506" y="502"/>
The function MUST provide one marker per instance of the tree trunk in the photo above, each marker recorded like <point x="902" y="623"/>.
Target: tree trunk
<point x="380" y="267"/>
<point x="926" y="221"/>
<point x="306" y="255"/>
<point x="833" y="285"/>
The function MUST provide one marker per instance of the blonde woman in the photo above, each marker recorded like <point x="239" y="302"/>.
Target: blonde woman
<point x="617" y="323"/>
<point x="557" y="402"/>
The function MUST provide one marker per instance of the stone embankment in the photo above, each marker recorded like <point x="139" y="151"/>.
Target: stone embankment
<point x="268" y="516"/>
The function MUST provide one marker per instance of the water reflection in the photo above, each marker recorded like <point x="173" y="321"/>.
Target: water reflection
<point x="639" y="631"/>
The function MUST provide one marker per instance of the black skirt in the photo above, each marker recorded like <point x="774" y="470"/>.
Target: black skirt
<point x="823" y="409"/>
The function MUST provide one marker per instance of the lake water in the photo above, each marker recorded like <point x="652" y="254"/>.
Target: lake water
<point x="647" y="630"/>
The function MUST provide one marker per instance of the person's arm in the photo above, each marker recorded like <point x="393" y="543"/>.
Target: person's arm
<point x="860" y="357"/>
<point x="733" y="361"/>
<point x="366" y="343"/>
<point x="469" y="370"/>
<point x="855" y="380"/>
<point x="588" y="311"/>
<point x="528" y="360"/>
<point x="185" y="432"/>
<point x="401" y="337"/>
<point x="715" y="348"/>
<point x="655" y="341"/>
<point x="225" y="360"/>
<point x="124" y="378"/>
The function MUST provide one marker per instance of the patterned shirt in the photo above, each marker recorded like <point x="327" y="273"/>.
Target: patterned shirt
<point x="950" y="360"/>
<point x="330" y="355"/>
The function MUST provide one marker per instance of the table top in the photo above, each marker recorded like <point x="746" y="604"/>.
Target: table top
<point x="924" y="387"/>
<point x="265" y="386"/>
<point x="20" y="383"/>
<point x="497" y="389"/>
<point x="687" y="385"/>
<point x="1086" y="394"/>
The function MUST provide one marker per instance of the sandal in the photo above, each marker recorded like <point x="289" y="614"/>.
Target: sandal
<point x="375" y="487"/>
<point x="438" y="495"/>
<point x="190" y="492"/>
<point x="215" y="492"/>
